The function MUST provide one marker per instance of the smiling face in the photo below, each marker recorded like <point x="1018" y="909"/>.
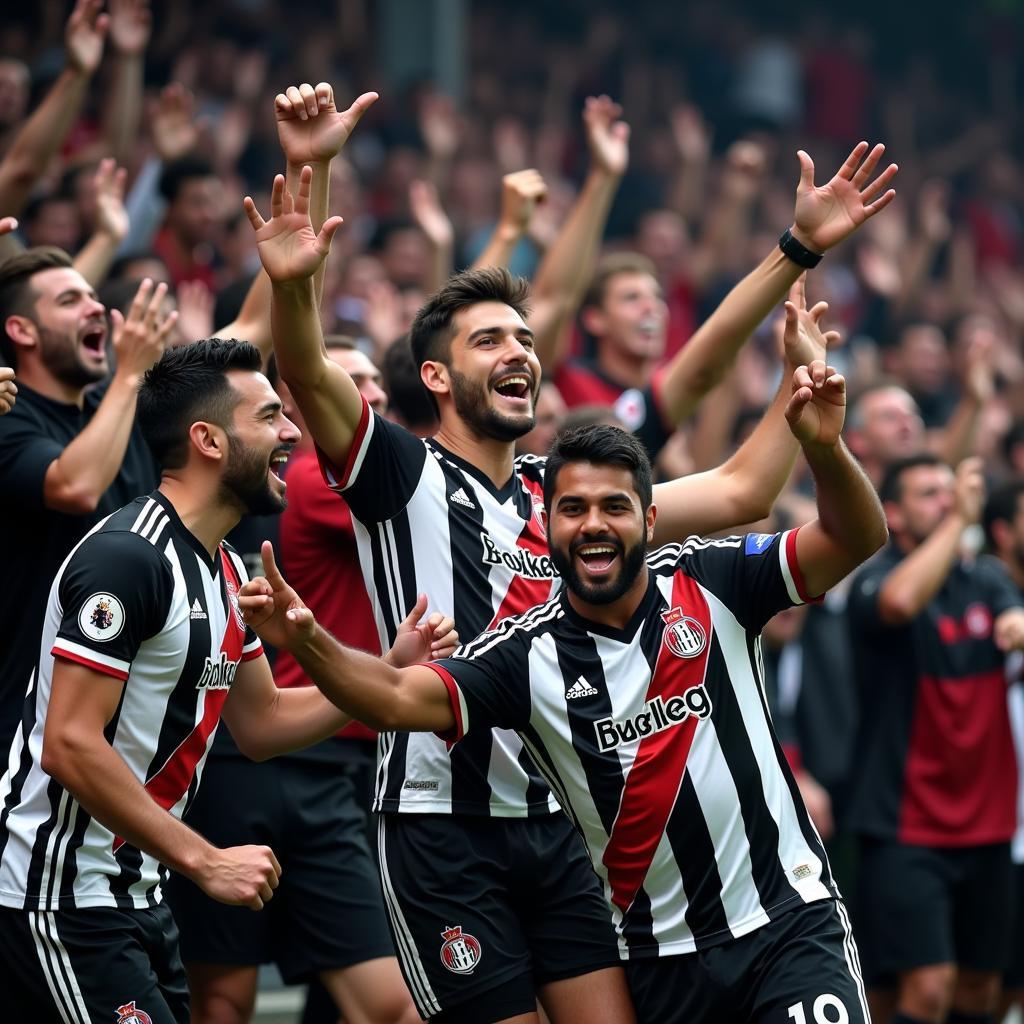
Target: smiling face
<point x="598" y="531"/>
<point x="492" y="373"/>
<point x="632" y="316"/>
<point x="260" y="440"/>
<point x="69" y="325"/>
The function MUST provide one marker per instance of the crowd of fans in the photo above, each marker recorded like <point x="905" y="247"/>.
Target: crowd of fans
<point x="131" y="144"/>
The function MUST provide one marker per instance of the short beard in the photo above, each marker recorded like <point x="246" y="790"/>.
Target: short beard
<point x="59" y="355"/>
<point x="245" y="481"/>
<point x="632" y="560"/>
<point x="471" y="404"/>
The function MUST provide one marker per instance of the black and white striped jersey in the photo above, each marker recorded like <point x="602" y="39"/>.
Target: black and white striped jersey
<point x="658" y="743"/>
<point x="139" y="600"/>
<point x="428" y="522"/>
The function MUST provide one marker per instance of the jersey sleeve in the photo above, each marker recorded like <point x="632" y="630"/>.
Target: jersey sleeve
<point x="383" y="468"/>
<point x="25" y="456"/>
<point x="754" y="576"/>
<point x="115" y="592"/>
<point x="488" y="684"/>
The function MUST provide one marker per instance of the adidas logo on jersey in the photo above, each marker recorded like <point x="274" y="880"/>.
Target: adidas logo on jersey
<point x="581" y="688"/>
<point x="217" y="675"/>
<point x="657" y="716"/>
<point x="459" y="497"/>
<point x="197" y="611"/>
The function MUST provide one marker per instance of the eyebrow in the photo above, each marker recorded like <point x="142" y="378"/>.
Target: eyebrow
<point x="268" y="407"/>
<point x="499" y="330"/>
<point x="90" y="292"/>
<point x="618" y="496"/>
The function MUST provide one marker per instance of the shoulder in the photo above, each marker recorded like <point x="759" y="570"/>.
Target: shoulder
<point x="514" y="632"/>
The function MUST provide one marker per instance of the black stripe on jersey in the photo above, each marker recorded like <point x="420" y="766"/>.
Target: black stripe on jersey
<point x="807" y="829"/>
<point x="34" y="882"/>
<point x="762" y="831"/>
<point x="28" y="720"/>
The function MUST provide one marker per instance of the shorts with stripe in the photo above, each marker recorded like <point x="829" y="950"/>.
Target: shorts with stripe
<point x="803" y="968"/>
<point x="484" y="911"/>
<point x="91" y="966"/>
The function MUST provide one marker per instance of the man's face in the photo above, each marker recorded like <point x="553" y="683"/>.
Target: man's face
<point x="632" y="318"/>
<point x="364" y="374"/>
<point x="597" y="531"/>
<point x="196" y="214"/>
<point x="14" y="92"/>
<point x="924" y="358"/>
<point x="71" y="326"/>
<point x="494" y="373"/>
<point x="926" y="498"/>
<point x="892" y="426"/>
<point x="57" y="223"/>
<point x="259" y="442"/>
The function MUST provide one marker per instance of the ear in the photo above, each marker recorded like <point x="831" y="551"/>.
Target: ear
<point x="22" y="331"/>
<point x="435" y="377"/>
<point x="593" y="320"/>
<point x="652" y="515"/>
<point x="209" y="440"/>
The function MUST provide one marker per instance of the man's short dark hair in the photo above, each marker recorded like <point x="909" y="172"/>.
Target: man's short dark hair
<point x="1002" y="505"/>
<point x="190" y="383"/>
<point x="892" y="483"/>
<point x="600" y="445"/>
<point x="178" y="172"/>
<point x="17" y="297"/>
<point x="611" y="266"/>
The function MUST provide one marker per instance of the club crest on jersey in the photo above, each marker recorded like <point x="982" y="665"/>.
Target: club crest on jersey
<point x="101" y="617"/>
<point x="233" y="598"/>
<point x="129" y="1014"/>
<point x="657" y="715"/>
<point x="461" y="951"/>
<point x="684" y="635"/>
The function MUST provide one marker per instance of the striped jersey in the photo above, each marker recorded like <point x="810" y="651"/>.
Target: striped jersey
<point x="426" y="521"/>
<point x="658" y="743"/>
<point x="139" y="600"/>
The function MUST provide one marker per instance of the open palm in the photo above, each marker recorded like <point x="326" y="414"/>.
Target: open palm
<point x="824" y="215"/>
<point x="310" y="127"/>
<point x="289" y="248"/>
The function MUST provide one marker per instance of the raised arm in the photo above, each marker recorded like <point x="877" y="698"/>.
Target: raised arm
<point x="565" y="271"/>
<point x="428" y="213"/>
<point x="45" y="131"/>
<point x="822" y="218"/>
<point x="111" y="225"/>
<point x="129" y="36"/>
<point x="291" y="253"/>
<point x="521" y="191"/>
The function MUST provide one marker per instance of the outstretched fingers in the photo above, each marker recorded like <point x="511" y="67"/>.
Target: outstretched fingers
<point x="277" y="197"/>
<point x="851" y="163"/>
<point x="867" y="168"/>
<point x="254" y="215"/>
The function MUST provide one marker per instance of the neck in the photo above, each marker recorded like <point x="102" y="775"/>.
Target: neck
<point x="631" y="371"/>
<point x="492" y="457"/>
<point x="37" y="377"/>
<point x="617" y="614"/>
<point x="200" y="510"/>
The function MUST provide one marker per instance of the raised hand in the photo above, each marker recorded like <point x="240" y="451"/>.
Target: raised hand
<point x="803" y="339"/>
<point x="416" y="642"/>
<point x="130" y="24"/>
<point x="969" y="489"/>
<point x="607" y="136"/>
<point x="691" y="134"/>
<point x="244" y="876"/>
<point x="745" y="164"/>
<point x="84" y="35"/>
<point x="111" y="215"/>
<point x="289" y="248"/>
<point x="195" y="311"/>
<point x="817" y="407"/>
<point x="428" y="213"/>
<point x="175" y="130"/>
<point x="8" y="390"/>
<point x="273" y="608"/>
<point x="825" y="215"/>
<point x="521" y="191"/>
<point x="141" y="337"/>
<point x="439" y="125"/>
<point x="310" y="127"/>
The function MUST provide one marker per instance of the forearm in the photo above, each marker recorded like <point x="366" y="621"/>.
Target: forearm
<point x="146" y="208"/>
<point x="104" y="785"/>
<point x="41" y="137"/>
<point x="499" y="248"/>
<point x="297" y="718"/>
<point x="123" y="109"/>
<point x="93" y="260"/>
<point x="441" y="264"/>
<point x="917" y="579"/>
<point x="297" y="332"/>
<point x="956" y="442"/>
<point x="709" y="354"/>
<point x="77" y="479"/>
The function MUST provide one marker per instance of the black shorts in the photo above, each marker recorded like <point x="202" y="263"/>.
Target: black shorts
<point x="486" y="910"/>
<point x="922" y="905"/>
<point x="801" y="968"/>
<point x="91" y="965"/>
<point x="328" y="912"/>
<point x="1013" y="977"/>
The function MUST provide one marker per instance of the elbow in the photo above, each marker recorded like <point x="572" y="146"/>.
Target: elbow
<point x="895" y="608"/>
<point x="251" y="748"/>
<point x="60" y="752"/>
<point x="73" y="499"/>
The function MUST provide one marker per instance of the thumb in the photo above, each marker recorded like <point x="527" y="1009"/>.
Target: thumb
<point x="806" y="171"/>
<point x="300" y="616"/>
<point x="416" y="612"/>
<point x="270" y="569"/>
<point x="795" y="406"/>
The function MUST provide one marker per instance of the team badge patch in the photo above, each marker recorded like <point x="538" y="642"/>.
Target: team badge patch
<point x="757" y="543"/>
<point x="684" y="636"/>
<point x="631" y="409"/>
<point x="128" y="1014"/>
<point x="461" y="952"/>
<point x="101" y="617"/>
<point x="233" y="598"/>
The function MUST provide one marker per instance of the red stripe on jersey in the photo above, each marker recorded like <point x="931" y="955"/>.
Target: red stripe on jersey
<point x="653" y="781"/>
<point x="334" y="480"/>
<point x="96" y="666"/>
<point x="171" y="782"/>
<point x="523" y="593"/>
<point x="795" y="571"/>
<point x="453" y="737"/>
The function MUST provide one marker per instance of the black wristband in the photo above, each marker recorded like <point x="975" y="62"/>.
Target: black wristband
<point x="798" y="252"/>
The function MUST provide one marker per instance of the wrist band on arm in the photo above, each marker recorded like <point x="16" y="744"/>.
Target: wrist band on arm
<point x="798" y="252"/>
